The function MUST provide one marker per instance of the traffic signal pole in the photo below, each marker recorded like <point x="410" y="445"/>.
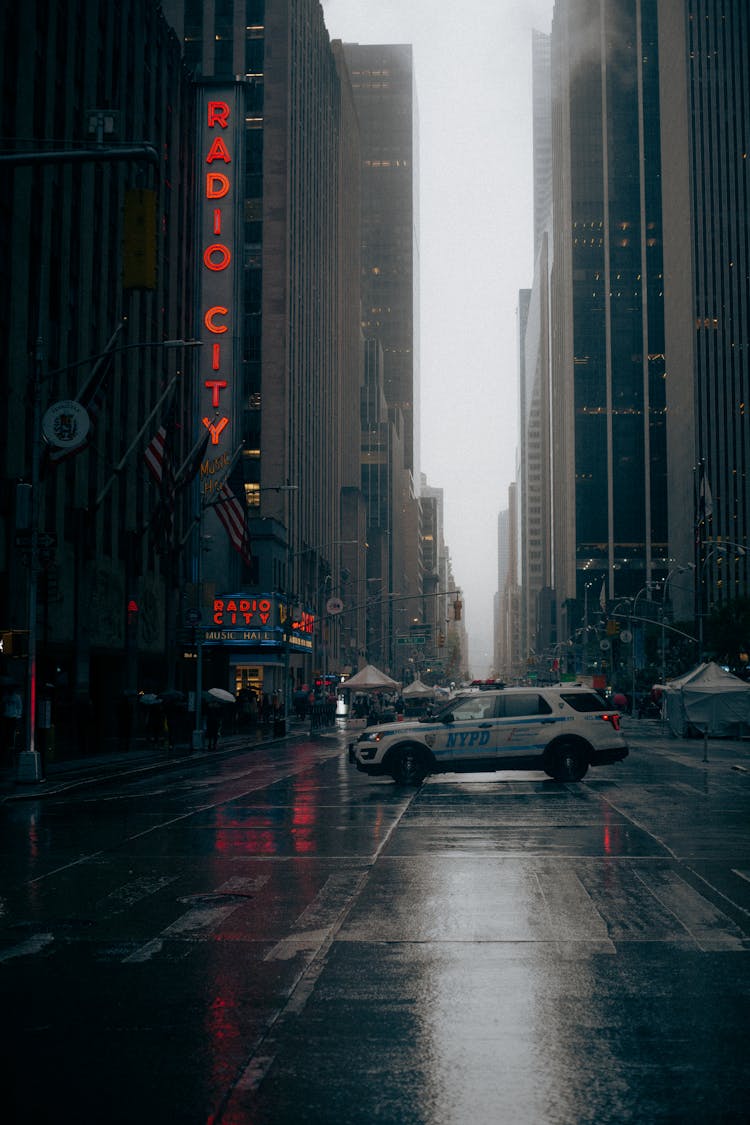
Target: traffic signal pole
<point x="30" y="766"/>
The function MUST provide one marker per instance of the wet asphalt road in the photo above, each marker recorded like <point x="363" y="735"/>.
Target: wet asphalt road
<point x="270" y="937"/>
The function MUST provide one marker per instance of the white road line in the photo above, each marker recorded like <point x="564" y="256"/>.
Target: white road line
<point x="28" y="947"/>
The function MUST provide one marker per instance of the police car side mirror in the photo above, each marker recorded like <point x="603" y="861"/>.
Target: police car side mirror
<point x="449" y="718"/>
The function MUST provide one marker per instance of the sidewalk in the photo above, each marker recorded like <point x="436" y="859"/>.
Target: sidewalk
<point x="653" y="734"/>
<point x="77" y="773"/>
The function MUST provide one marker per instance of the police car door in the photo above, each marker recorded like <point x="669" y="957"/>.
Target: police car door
<point x="525" y="727"/>
<point x="470" y="736"/>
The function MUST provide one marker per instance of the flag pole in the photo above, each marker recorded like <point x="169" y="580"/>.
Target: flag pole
<point x="201" y="443"/>
<point x="136" y="440"/>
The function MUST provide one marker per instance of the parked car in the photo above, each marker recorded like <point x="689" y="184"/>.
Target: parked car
<point x="562" y="730"/>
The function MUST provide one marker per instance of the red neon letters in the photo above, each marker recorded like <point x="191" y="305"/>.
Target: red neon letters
<point x="216" y="258"/>
<point x="242" y="611"/>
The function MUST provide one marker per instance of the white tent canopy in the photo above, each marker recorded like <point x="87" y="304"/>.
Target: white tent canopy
<point x="417" y="690"/>
<point x="371" y="678"/>
<point x="710" y="700"/>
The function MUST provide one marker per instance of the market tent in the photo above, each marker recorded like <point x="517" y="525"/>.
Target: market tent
<point x="371" y="678"/>
<point x="708" y="699"/>
<point x="417" y="690"/>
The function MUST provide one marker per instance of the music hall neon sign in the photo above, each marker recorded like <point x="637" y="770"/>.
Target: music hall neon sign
<point x="219" y="140"/>
<point x="265" y="611"/>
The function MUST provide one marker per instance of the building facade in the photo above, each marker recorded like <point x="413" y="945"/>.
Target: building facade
<point x="287" y="397"/>
<point x="382" y="80"/>
<point x="705" y="109"/>
<point x="610" y="517"/>
<point x="97" y="200"/>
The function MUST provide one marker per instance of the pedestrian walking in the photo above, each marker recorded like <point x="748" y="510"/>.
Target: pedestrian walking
<point x="213" y="728"/>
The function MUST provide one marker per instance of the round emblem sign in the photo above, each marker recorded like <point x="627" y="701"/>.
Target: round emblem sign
<point x="334" y="606"/>
<point x="66" y="424"/>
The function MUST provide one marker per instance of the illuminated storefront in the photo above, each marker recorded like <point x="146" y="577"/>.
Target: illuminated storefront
<point x="256" y="630"/>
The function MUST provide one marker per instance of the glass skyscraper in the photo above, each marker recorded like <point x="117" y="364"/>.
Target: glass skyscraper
<point x="608" y="368"/>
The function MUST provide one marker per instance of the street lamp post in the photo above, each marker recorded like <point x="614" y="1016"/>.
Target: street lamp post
<point x="30" y="765"/>
<point x="586" y="587"/>
<point x="633" y="607"/>
<point x="674" y="570"/>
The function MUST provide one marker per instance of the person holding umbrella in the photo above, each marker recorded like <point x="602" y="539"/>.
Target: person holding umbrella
<point x="217" y="696"/>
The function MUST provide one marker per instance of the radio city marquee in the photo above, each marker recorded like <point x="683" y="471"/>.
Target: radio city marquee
<point x="219" y="147"/>
<point x="258" y="620"/>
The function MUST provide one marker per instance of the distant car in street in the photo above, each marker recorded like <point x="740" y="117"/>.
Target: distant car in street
<point x="562" y="730"/>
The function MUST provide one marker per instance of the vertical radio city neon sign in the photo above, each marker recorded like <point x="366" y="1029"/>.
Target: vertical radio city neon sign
<point x="219" y="141"/>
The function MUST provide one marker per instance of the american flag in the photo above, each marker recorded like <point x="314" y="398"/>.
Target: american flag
<point x="158" y="459"/>
<point x="230" y="512"/>
<point x="155" y="454"/>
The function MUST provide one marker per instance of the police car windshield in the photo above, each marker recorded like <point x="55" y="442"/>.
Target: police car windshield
<point x="444" y="709"/>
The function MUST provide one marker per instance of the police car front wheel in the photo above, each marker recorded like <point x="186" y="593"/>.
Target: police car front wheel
<point x="407" y="765"/>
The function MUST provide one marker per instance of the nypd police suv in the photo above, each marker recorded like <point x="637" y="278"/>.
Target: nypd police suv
<point x="562" y="730"/>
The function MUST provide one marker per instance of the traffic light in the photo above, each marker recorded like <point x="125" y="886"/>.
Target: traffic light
<point x="458" y="605"/>
<point x="14" y="642"/>
<point x="441" y="639"/>
<point x="132" y="615"/>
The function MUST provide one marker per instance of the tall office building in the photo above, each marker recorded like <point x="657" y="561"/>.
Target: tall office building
<point x="385" y="97"/>
<point x="608" y="368"/>
<point x="534" y="467"/>
<point x="386" y="490"/>
<point x="383" y="86"/>
<point x="278" y="311"/>
<point x="511" y="653"/>
<point x="705" y="113"/>
<point x="541" y="45"/>
<point x="499" y="661"/>
<point x="97" y="246"/>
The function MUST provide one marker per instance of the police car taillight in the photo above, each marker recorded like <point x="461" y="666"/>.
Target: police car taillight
<point x="611" y="717"/>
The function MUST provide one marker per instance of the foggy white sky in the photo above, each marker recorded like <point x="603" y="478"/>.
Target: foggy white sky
<point x="473" y="76"/>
